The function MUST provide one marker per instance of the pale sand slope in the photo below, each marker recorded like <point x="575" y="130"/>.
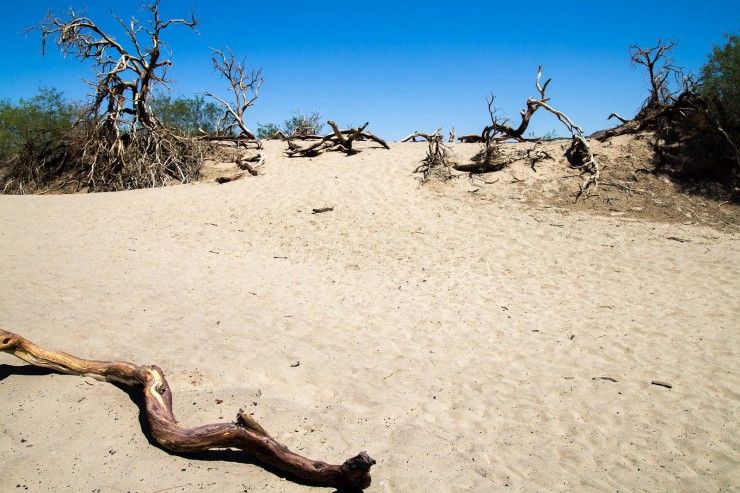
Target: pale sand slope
<point x="454" y="339"/>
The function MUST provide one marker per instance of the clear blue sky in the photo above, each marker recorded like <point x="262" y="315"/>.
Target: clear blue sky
<point x="402" y="65"/>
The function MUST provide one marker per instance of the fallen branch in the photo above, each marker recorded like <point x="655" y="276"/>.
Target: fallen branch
<point x="229" y="178"/>
<point x="421" y="135"/>
<point x="245" y="164"/>
<point x="245" y="434"/>
<point x="337" y="140"/>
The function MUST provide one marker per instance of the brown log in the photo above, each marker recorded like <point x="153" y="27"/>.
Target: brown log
<point x="244" y="434"/>
<point x="374" y="138"/>
<point x="229" y="178"/>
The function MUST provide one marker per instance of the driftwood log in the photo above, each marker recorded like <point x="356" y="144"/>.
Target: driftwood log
<point x="244" y="434"/>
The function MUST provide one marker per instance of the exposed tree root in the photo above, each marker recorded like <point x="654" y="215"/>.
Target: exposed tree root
<point x="438" y="160"/>
<point x="244" y="434"/>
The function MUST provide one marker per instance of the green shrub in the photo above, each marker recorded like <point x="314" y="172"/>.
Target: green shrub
<point x="187" y="115"/>
<point x="297" y="125"/>
<point x="268" y="131"/>
<point x="721" y="84"/>
<point x="45" y="118"/>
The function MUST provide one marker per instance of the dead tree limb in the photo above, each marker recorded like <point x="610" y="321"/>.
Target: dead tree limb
<point x="618" y="117"/>
<point x="421" y="135"/>
<point x="337" y="140"/>
<point x="505" y="130"/>
<point x="244" y="85"/>
<point x="244" y="434"/>
<point x="581" y="156"/>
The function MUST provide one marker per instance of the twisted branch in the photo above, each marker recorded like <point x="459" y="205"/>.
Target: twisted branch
<point x="245" y="87"/>
<point x="337" y="140"/>
<point x="245" y="434"/>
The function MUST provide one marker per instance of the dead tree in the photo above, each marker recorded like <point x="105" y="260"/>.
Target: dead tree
<point x="660" y="68"/>
<point x="689" y="139"/>
<point x="338" y="140"/>
<point x="121" y="144"/>
<point x="499" y="130"/>
<point x="244" y="433"/>
<point x="125" y="75"/>
<point x="244" y="85"/>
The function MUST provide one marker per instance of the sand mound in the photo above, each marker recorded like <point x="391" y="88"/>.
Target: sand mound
<point x="458" y="337"/>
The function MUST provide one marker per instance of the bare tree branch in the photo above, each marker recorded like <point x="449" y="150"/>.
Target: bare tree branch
<point x="245" y="86"/>
<point x="337" y="140"/>
<point x="660" y="67"/>
<point x="125" y="77"/>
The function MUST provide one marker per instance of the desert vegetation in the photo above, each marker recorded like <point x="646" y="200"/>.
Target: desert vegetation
<point x="133" y="133"/>
<point x="691" y="121"/>
<point x="298" y="126"/>
<point x="127" y="135"/>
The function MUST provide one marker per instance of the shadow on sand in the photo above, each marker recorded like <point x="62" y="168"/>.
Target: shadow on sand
<point x="226" y="455"/>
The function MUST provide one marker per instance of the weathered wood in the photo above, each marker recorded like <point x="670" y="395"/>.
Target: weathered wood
<point x="421" y="135"/>
<point x="337" y="140"/>
<point x="244" y="434"/>
<point x="228" y="178"/>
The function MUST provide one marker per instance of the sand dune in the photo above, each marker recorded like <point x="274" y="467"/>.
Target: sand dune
<point x="459" y="340"/>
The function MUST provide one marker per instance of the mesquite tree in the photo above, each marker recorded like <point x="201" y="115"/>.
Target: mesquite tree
<point x="121" y="144"/>
<point x="660" y="68"/>
<point x="125" y="72"/>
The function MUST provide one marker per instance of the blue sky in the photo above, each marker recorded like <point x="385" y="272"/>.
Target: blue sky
<point x="403" y="66"/>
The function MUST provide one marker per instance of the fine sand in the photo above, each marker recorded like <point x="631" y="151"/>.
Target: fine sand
<point x="457" y="337"/>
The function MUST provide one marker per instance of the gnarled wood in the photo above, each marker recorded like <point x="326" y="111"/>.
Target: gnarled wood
<point x="244" y="434"/>
<point x="337" y="140"/>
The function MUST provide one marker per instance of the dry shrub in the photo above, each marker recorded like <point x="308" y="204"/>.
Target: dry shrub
<point x="96" y="158"/>
<point x="438" y="161"/>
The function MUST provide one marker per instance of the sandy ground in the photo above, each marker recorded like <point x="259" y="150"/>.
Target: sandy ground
<point x="457" y="339"/>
